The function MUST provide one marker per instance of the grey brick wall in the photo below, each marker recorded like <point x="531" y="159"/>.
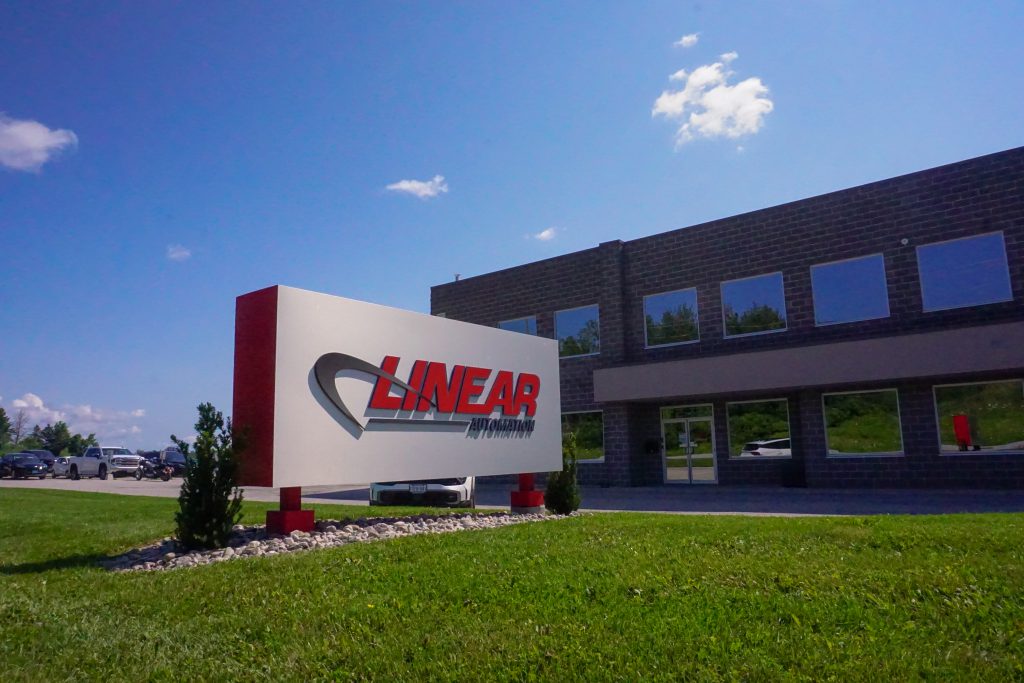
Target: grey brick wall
<point x="959" y="200"/>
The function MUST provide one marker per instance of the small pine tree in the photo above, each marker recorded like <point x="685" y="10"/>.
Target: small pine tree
<point x="210" y="502"/>
<point x="562" y="494"/>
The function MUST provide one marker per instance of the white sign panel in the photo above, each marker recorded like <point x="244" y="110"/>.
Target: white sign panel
<point x="335" y="391"/>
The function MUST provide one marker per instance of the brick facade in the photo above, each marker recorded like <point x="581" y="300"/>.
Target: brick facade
<point x="892" y="217"/>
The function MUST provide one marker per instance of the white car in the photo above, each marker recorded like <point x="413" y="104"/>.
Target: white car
<point x="100" y="461"/>
<point x="61" y="467"/>
<point x="452" y="492"/>
<point x="776" y="447"/>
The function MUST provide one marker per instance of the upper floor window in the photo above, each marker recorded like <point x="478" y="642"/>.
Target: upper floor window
<point x="851" y="290"/>
<point x="527" y="325"/>
<point x="671" y="317"/>
<point x="578" y="331"/>
<point x="754" y="305"/>
<point x="970" y="271"/>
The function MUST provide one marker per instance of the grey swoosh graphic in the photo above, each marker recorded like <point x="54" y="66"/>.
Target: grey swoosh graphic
<point x="329" y="365"/>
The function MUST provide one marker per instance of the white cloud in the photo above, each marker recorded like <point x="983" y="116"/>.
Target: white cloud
<point x="82" y="419"/>
<point x="27" y="145"/>
<point x="176" y="252"/>
<point x="689" y="40"/>
<point x="424" y="189"/>
<point x="545" y="235"/>
<point x="708" y="106"/>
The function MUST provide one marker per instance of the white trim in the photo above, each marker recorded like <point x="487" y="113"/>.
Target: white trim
<point x="785" y="313"/>
<point x="559" y="340"/>
<point x="885" y="285"/>
<point x="879" y="454"/>
<point x="938" y="425"/>
<point x="789" y="428"/>
<point x="588" y="412"/>
<point x="515" y="320"/>
<point x="1006" y="264"/>
<point x="696" y="313"/>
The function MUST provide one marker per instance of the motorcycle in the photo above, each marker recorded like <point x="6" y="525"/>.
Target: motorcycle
<point x="153" y="470"/>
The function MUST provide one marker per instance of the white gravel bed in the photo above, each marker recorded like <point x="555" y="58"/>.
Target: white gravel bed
<point x="253" y="541"/>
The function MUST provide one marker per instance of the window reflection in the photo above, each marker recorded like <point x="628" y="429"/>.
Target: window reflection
<point x="848" y="291"/>
<point x="578" y="331"/>
<point x="753" y="305"/>
<point x="964" y="272"/>
<point x="526" y="325"/>
<point x="589" y="430"/>
<point x="981" y="417"/>
<point x="759" y="429"/>
<point x="863" y="422"/>
<point x="671" y="318"/>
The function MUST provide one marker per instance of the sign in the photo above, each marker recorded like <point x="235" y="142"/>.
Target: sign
<point x="335" y="391"/>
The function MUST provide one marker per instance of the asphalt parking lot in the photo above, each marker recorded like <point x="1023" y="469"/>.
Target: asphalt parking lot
<point x="670" y="499"/>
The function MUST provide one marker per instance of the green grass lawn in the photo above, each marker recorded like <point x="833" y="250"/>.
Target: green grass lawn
<point x="600" y="597"/>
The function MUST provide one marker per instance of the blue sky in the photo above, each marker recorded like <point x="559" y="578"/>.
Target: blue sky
<point x="159" y="159"/>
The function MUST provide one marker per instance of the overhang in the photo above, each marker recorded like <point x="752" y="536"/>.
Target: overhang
<point x="961" y="351"/>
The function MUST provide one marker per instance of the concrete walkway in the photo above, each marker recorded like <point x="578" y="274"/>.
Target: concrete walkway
<point x="669" y="499"/>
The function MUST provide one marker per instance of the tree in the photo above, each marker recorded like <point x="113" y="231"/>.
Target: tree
<point x="562" y="495"/>
<point x="210" y="502"/>
<point x="19" y="427"/>
<point x="5" y="428"/>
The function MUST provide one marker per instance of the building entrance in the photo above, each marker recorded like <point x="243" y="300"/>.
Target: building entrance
<point x="688" y="454"/>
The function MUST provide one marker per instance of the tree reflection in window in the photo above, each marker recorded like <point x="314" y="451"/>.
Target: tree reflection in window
<point x="671" y="318"/>
<point x="578" y="331"/>
<point x="753" y="305"/>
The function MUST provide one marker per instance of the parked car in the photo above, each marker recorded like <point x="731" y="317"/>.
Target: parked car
<point x="7" y="464"/>
<point x="61" y="467"/>
<point x="767" y="447"/>
<point x="174" y="459"/>
<point x="451" y="492"/>
<point x="100" y="461"/>
<point x="46" y="456"/>
<point x="27" y="465"/>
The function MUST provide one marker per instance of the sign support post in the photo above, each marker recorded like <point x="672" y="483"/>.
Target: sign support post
<point x="291" y="517"/>
<point x="527" y="500"/>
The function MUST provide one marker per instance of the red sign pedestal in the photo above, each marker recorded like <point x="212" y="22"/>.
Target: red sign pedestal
<point x="291" y="517"/>
<point x="526" y="500"/>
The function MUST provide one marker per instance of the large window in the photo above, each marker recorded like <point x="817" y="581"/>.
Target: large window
<point x="966" y="272"/>
<point x="671" y="317"/>
<point x="759" y="429"/>
<point x="848" y="291"/>
<point x="863" y="423"/>
<point x="578" y="331"/>
<point x="526" y="325"/>
<point x="589" y="430"/>
<point x="754" y="305"/>
<point x="981" y="417"/>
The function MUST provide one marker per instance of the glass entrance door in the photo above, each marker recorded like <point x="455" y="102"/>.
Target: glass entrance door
<point x="689" y="451"/>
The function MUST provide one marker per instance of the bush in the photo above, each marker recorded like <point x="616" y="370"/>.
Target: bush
<point x="562" y="494"/>
<point x="210" y="502"/>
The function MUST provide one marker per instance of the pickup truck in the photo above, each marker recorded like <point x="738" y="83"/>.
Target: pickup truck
<point x="99" y="461"/>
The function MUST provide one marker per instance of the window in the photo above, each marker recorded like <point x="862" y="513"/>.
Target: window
<point x="589" y="430"/>
<point x="981" y="417"/>
<point x="848" y="291"/>
<point x="966" y="272"/>
<point x="671" y="318"/>
<point x="861" y="423"/>
<point x="759" y="429"/>
<point x="578" y="331"/>
<point x="753" y="305"/>
<point x="526" y="325"/>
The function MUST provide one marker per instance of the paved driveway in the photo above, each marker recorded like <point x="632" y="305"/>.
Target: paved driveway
<point x="672" y="499"/>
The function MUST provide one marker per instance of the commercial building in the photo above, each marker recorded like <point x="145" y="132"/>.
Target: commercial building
<point x="870" y="337"/>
